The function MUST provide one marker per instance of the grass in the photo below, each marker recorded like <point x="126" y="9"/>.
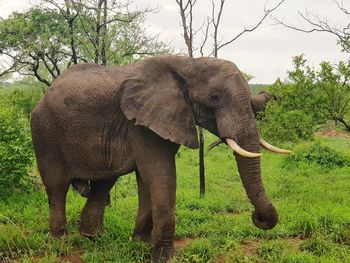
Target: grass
<point x="312" y="201"/>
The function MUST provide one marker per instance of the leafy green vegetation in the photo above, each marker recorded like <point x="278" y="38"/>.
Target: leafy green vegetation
<point x="50" y="37"/>
<point x="308" y="99"/>
<point x="16" y="154"/>
<point x="316" y="153"/>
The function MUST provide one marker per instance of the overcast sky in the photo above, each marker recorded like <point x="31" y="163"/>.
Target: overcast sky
<point x="265" y="53"/>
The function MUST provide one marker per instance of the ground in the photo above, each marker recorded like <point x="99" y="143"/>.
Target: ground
<point x="312" y="201"/>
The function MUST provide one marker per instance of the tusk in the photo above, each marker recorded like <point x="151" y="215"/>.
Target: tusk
<point x="241" y="151"/>
<point x="272" y="148"/>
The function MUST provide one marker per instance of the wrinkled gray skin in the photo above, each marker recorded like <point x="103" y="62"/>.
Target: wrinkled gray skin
<point x="97" y="123"/>
<point x="258" y="103"/>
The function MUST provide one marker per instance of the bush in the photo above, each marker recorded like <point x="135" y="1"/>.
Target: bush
<point x="316" y="153"/>
<point x="16" y="153"/>
<point x="280" y="125"/>
<point x="24" y="100"/>
<point x="307" y="100"/>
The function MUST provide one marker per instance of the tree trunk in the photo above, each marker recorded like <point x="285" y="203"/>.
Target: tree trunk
<point x="201" y="163"/>
<point x="104" y="35"/>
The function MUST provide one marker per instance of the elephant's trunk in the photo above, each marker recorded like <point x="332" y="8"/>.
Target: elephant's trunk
<point x="265" y="215"/>
<point x="245" y="133"/>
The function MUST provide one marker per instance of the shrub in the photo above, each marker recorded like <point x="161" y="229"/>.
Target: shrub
<point x="286" y="125"/>
<point x="308" y="99"/>
<point x="15" y="148"/>
<point x="24" y="100"/>
<point x="316" y="153"/>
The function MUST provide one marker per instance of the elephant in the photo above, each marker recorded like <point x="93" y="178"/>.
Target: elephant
<point x="259" y="102"/>
<point x="97" y="123"/>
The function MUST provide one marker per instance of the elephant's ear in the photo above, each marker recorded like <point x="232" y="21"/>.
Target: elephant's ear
<point x="161" y="103"/>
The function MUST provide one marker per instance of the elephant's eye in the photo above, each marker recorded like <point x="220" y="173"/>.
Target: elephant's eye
<point x="214" y="98"/>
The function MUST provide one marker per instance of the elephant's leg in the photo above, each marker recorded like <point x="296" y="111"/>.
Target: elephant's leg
<point x="91" y="223"/>
<point x="144" y="223"/>
<point x="155" y="159"/>
<point x="56" y="184"/>
<point x="57" y="204"/>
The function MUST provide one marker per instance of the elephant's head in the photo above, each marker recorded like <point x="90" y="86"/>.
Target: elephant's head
<point x="170" y="95"/>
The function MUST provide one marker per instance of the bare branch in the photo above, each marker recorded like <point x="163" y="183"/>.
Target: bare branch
<point x="35" y="69"/>
<point x="267" y="12"/>
<point x="9" y="70"/>
<point x="187" y="23"/>
<point x="216" y="23"/>
<point x="341" y="7"/>
<point x="205" y="33"/>
<point x="318" y="24"/>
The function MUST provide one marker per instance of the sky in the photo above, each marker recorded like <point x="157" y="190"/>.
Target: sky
<point x="265" y="53"/>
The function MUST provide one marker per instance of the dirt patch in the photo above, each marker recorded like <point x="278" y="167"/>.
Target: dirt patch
<point x="250" y="247"/>
<point x="71" y="258"/>
<point x="182" y="243"/>
<point x="293" y="243"/>
<point x="333" y="133"/>
<point x="220" y="259"/>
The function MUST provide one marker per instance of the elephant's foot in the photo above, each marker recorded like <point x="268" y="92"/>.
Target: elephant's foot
<point x="91" y="224"/>
<point x="91" y="229"/>
<point x="144" y="237"/>
<point x="143" y="230"/>
<point x="58" y="232"/>
<point x="162" y="253"/>
<point x="58" y="226"/>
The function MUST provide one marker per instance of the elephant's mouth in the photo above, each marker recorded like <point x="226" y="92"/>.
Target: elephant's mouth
<point x="236" y="148"/>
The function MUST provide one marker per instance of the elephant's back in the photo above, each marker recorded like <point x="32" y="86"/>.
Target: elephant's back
<point x="85" y="87"/>
<point x="83" y="106"/>
<point x="82" y="98"/>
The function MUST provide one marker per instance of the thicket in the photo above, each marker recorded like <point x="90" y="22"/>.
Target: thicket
<point x="316" y="153"/>
<point x="16" y="153"/>
<point x="308" y="99"/>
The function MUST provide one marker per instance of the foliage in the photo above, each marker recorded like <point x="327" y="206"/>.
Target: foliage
<point x="279" y="124"/>
<point x="15" y="148"/>
<point x="333" y="85"/>
<point x="307" y="100"/>
<point x="24" y="100"/>
<point x="315" y="152"/>
<point x="47" y="39"/>
<point x="35" y="41"/>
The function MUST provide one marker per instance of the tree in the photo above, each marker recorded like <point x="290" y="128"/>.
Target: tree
<point x="32" y="41"/>
<point x="310" y="98"/>
<point x="109" y="32"/>
<point x="48" y="39"/>
<point x="333" y="83"/>
<point x="211" y="24"/>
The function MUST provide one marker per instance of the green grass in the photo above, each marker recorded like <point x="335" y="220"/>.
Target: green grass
<point x="312" y="201"/>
